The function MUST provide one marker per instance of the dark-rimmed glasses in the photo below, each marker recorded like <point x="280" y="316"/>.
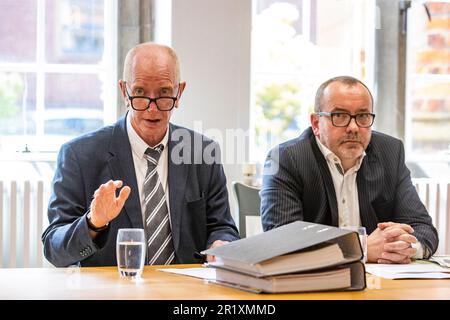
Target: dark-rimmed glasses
<point x="342" y="119"/>
<point x="142" y="103"/>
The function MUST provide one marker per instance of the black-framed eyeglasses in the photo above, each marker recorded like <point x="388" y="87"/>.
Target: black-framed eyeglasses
<point x="342" y="119"/>
<point x="142" y="103"/>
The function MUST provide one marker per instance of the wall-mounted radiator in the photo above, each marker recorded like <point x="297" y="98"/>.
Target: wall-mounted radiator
<point x="435" y="195"/>
<point x="23" y="218"/>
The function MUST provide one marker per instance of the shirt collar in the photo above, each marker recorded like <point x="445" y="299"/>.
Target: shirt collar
<point x="334" y="159"/>
<point x="138" y="145"/>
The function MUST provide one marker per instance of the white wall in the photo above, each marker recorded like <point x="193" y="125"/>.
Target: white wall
<point x="212" y="40"/>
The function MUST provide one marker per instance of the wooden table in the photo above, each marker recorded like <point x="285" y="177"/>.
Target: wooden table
<point x="105" y="283"/>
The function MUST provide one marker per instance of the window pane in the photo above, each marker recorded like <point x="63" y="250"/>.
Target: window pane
<point x="74" y="31"/>
<point x="73" y="104"/>
<point x="429" y="80"/>
<point x="17" y="103"/>
<point x="297" y="45"/>
<point x="18" y="20"/>
<point x="429" y="41"/>
<point x="280" y="49"/>
<point x="431" y="117"/>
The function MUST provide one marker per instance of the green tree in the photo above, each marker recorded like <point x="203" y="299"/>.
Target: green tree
<point x="277" y="106"/>
<point x="283" y="64"/>
<point x="11" y="91"/>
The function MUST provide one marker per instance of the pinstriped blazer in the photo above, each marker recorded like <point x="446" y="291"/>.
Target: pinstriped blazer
<point x="297" y="185"/>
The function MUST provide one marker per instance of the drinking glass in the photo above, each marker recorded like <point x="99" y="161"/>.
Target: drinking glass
<point x="130" y="249"/>
<point x="362" y="238"/>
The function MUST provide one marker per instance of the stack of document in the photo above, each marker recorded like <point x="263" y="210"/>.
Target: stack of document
<point x="416" y="270"/>
<point x="297" y="257"/>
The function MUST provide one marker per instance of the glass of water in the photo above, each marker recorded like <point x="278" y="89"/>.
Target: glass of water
<point x="130" y="249"/>
<point x="362" y="238"/>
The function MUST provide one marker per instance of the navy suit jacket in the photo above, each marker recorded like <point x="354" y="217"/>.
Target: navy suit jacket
<point x="199" y="207"/>
<point x="297" y="185"/>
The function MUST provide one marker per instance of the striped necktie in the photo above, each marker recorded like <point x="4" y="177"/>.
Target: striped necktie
<point x="160" y="248"/>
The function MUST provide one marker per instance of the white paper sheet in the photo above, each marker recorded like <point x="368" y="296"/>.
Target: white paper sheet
<point x="443" y="260"/>
<point x="417" y="270"/>
<point x="202" y="273"/>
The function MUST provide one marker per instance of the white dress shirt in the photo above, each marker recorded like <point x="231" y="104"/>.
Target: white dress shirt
<point x="138" y="147"/>
<point x="345" y="187"/>
<point x="346" y="190"/>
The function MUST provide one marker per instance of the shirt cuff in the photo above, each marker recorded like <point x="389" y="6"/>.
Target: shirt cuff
<point x="419" y="252"/>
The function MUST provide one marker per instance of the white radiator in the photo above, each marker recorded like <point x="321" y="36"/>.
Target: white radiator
<point x="435" y="195"/>
<point x="23" y="218"/>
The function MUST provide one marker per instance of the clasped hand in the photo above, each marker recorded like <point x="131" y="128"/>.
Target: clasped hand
<point x="391" y="243"/>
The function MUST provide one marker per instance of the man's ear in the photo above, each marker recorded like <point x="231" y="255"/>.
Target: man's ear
<point x="180" y="92"/>
<point x="122" y="90"/>
<point x="314" y="118"/>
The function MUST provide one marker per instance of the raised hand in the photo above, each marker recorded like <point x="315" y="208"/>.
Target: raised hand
<point x="106" y="206"/>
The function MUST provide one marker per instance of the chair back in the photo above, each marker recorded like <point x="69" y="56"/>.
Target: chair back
<point x="248" y="201"/>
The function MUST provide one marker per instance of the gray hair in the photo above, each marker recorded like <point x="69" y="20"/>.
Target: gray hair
<point x="347" y="80"/>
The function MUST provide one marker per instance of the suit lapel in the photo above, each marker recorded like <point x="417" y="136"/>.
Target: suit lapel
<point x="327" y="179"/>
<point x="177" y="176"/>
<point x="366" y="179"/>
<point x="122" y="168"/>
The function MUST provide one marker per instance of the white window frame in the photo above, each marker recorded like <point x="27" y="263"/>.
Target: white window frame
<point x="107" y="69"/>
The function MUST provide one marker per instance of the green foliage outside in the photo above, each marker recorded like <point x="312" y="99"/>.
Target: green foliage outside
<point x="277" y="106"/>
<point x="11" y="91"/>
<point x="281" y="65"/>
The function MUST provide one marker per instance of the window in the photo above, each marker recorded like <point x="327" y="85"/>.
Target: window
<point x="428" y="88"/>
<point x="57" y="71"/>
<point x="297" y="45"/>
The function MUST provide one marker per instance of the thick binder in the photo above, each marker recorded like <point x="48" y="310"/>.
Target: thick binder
<point x="349" y="277"/>
<point x="296" y="249"/>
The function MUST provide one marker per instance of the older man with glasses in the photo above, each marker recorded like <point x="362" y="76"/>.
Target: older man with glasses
<point x="340" y="173"/>
<point x="142" y="172"/>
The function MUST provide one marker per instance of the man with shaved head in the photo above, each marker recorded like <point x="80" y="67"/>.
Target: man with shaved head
<point x="142" y="172"/>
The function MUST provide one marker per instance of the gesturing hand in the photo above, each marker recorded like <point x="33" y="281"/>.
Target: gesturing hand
<point x="106" y="206"/>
